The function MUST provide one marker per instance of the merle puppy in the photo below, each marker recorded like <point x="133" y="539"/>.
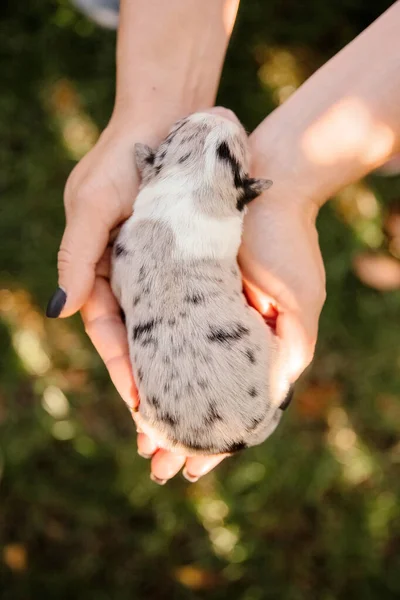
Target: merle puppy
<point x="203" y="360"/>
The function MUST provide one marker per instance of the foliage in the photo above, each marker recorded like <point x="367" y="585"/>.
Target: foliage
<point x="313" y="513"/>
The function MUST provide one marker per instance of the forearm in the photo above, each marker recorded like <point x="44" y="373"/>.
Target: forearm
<point x="342" y="122"/>
<point x="170" y="56"/>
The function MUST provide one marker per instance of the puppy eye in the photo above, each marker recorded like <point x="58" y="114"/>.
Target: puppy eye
<point x="288" y="398"/>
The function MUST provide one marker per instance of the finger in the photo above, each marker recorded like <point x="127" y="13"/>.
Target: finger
<point x="197" y="466"/>
<point x="297" y="343"/>
<point x="103" y="267"/>
<point x="84" y="241"/>
<point x="146" y="446"/>
<point x="261" y="301"/>
<point x="103" y="325"/>
<point x="165" y="465"/>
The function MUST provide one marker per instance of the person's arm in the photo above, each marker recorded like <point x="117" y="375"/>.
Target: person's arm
<point x="339" y="125"/>
<point x="170" y="56"/>
<point x="343" y="121"/>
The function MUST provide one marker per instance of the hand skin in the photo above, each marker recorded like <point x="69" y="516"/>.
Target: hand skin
<point x="343" y="122"/>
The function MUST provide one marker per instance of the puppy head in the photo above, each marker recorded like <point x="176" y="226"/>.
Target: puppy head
<point x="205" y="153"/>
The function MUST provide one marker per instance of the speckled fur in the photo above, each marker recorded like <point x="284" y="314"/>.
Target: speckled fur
<point x="201" y="357"/>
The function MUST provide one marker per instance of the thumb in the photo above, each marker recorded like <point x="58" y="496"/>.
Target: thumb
<point x="84" y="241"/>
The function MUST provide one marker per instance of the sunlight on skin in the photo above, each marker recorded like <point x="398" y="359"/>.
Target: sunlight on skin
<point x="229" y="15"/>
<point x="348" y="129"/>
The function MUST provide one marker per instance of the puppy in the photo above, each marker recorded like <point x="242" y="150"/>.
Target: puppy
<point x="203" y="360"/>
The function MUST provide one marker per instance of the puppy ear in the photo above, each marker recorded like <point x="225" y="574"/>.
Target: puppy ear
<point x="255" y="187"/>
<point x="144" y="157"/>
<point x="251" y="189"/>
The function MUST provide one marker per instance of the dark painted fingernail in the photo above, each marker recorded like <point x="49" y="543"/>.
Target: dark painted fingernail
<point x="144" y="455"/>
<point x="288" y="398"/>
<point x="157" y="480"/>
<point x="56" y="304"/>
<point x="189" y="477"/>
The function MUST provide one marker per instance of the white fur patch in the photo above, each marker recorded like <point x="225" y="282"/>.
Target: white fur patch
<point x="197" y="235"/>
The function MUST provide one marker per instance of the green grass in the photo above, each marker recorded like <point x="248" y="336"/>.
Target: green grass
<point x="314" y="512"/>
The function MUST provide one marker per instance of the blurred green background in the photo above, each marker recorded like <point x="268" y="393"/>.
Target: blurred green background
<point x="314" y="512"/>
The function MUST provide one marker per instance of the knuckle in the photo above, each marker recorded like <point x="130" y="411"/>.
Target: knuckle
<point x="64" y="258"/>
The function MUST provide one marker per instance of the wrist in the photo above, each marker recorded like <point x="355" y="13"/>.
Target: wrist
<point x="169" y="57"/>
<point x="276" y="155"/>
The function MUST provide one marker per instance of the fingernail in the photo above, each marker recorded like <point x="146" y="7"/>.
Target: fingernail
<point x="288" y="398"/>
<point x="144" y="455"/>
<point x="157" y="480"/>
<point x="189" y="477"/>
<point x="56" y="303"/>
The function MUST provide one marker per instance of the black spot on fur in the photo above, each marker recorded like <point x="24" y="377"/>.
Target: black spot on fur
<point x="192" y="445"/>
<point x="136" y="300"/>
<point x="140" y="375"/>
<point x="157" y="169"/>
<point x="150" y="158"/>
<point x="142" y="273"/>
<point x="202" y="383"/>
<point x="195" y="298"/>
<point x="288" y="398"/>
<point x="254" y="423"/>
<point x="144" y="328"/>
<point x="224" y="153"/>
<point x="250" y="355"/>
<point x="184" y="158"/>
<point x="122" y="315"/>
<point x="167" y="388"/>
<point x="170" y="419"/>
<point x="235" y="447"/>
<point x="236" y="332"/>
<point x="183" y="315"/>
<point x="154" y="401"/>
<point x="149" y="341"/>
<point x="162" y="155"/>
<point x="166" y="360"/>
<point x="253" y="392"/>
<point x="212" y="415"/>
<point x="172" y="322"/>
<point x="189" y="138"/>
<point x="120" y="250"/>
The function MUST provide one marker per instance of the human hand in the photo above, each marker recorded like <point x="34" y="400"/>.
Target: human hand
<point x="283" y="273"/>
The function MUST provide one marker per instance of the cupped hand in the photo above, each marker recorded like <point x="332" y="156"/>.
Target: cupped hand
<point x="284" y="274"/>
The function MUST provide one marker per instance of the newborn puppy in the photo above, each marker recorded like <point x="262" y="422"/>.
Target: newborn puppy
<point x="202" y="358"/>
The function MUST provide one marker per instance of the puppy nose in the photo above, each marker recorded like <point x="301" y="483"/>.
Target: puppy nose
<point x="223" y="112"/>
